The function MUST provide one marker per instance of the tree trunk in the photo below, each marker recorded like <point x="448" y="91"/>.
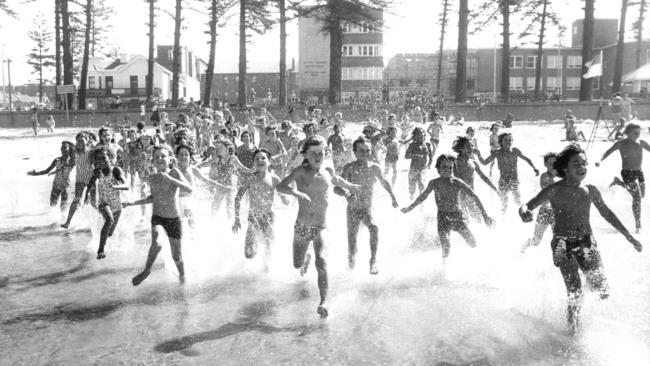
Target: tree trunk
<point x="282" y="97"/>
<point x="639" y="32"/>
<point x="84" y="64"/>
<point x="242" y="98"/>
<point x="443" y="29"/>
<point x="57" y="46"/>
<point x="209" y="72"/>
<point x="93" y="35"/>
<point x="620" y="49"/>
<point x="505" y="52"/>
<point x="67" y="49"/>
<point x="461" y="53"/>
<point x="176" y="63"/>
<point x="336" y="45"/>
<point x="150" y="61"/>
<point x="40" y="73"/>
<point x="587" y="49"/>
<point x="540" y="53"/>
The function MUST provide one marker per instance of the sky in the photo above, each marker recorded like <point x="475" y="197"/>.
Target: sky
<point x="411" y="26"/>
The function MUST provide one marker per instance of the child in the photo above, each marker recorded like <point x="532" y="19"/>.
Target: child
<point x="465" y="168"/>
<point x="165" y="217"/>
<point x="261" y="188"/>
<point x="573" y="244"/>
<point x="572" y="133"/>
<point x="278" y="153"/>
<point x="421" y="156"/>
<point x="184" y="155"/>
<point x="245" y="151"/>
<point x="617" y="133"/>
<point x="50" y="123"/>
<point x="83" y="166"/>
<point x="506" y="158"/>
<point x="63" y="165"/>
<point x="312" y="187"/>
<point x="107" y="181"/>
<point x="434" y="130"/>
<point x="392" y="153"/>
<point x="494" y="142"/>
<point x="364" y="173"/>
<point x="545" y="214"/>
<point x="335" y="143"/>
<point x="450" y="217"/>
<point x="631" y="150"/>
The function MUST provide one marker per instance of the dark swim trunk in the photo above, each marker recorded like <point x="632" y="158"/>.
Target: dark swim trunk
<point x="583" y="248"/>
<point x="448" y="221"/>
<point x="631" y="176"/>
<point x="545" y="216"/>
<point x="172" y="225"/>
<point x="261" y="221"/>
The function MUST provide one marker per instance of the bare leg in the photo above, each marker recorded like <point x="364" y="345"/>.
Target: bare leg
<point x="321" y="268"/>
<point x="154" y="249"/>
<point x="109" y="222"/>
<point x="353" y="230"/>
<point x="250" y="245"/>
<point x="175" y="246"/>
<point x="79" y="189"/>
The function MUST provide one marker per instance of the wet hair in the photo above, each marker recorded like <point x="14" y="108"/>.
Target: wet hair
<point x="67" y="144"/>
<point x="562" y="159"/>
<point x="445" y="157"/>
<point x="631" y="127"/>
<point x="263" y="151"/>
<point x="307" y="126"/>
<point x="417" y="131"/>
<point x="315" y="140"/>
<point x="140" y="126"/>
<point x="244" y="133"/>
<point x="186" y="147"/>
<point x="460" y="143"/>
<point x="548" y="156"/>
<point x="360" y="140"/>
<point x="503" y="136"/>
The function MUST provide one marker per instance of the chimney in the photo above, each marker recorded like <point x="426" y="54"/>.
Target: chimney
<point x="124" y="58"/>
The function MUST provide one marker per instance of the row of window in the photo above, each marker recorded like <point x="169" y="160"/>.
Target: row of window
<point x="365" y="27"/>
<point x="552" y="83"/>
<point x="552" y="62"/>
<point x="362" y="73"/>
<point x="353" y="50"/>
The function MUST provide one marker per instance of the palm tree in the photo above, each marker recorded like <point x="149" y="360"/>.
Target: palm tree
<point x="620" y="49"/>
<point x="587" y="49"/>
<point x="84" y="63"/>
<point x="461" y="52"/>
<point x="40" y="57"/>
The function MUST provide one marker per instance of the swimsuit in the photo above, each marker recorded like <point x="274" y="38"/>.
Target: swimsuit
<point x="106" y="194"/>
<point x="307" y="231"/>
<point x="631" y="176"/>
<point x="261" y="220"/>
<point x="172" y="225"/>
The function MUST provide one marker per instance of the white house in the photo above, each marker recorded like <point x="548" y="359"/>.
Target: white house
<point x="125" y="77"/>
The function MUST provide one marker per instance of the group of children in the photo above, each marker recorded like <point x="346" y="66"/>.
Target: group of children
<point x="310" y="175"/>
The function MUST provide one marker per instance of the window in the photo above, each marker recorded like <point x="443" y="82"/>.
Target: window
<point x="553" y="62"/>
<point x="361" y="73"/>
<point x="530" y="83"/>
<point x="596" y="83"/>
<point x="109" y="82"/>
<point x="553" y="83"/>
<point x="91" y="82"/>
<point x="347" y="50"/>
<point x="574" y="62"/>
<point x="573" y="83"/>
<point x="531" y="62"/>
<point x="516" y="83"/>
<point x="516" y="62"/>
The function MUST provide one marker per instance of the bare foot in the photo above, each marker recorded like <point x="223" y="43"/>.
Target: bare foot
<point x="66" y="225"/>
<point x="322" y="311"/>
<point x="139" y="278"/>
<point x="373" y="268"/>
<point x="351" y="262"/>
<point x="305" y="264"/>
<point x="181" y="279"/>
<point x="101" y="255"/>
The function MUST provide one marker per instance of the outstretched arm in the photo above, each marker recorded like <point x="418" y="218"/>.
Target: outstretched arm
<point x="489" y="158"/>
<point x="284" y="185"/>
<point x="470" y="192"/>
<point x="176" y="178"/>
<point x="611" y="217"/>
<point x="339" y="181"/>
<point x="526" y="159"/>
<point x="484" y="177"/>
<point x="47" y="170"/>
<point x="423" y="196"/>
<point x="616" y="146"/>
<point x="384" y="183"/>
<point x="240" y="193"/>
<point x="197" y="173"/>
<point x="143" y="201"/>
<point x="525" y="211"/>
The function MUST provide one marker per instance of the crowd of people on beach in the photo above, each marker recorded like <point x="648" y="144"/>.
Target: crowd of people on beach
<point x="261" y="157"/>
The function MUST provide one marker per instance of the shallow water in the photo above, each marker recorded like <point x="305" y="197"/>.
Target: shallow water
<point x="489" y="305"/>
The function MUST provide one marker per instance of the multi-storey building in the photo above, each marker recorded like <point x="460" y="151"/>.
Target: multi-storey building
<point x="225" y="86"/>
<point x="191" y="69"/>
<point x="362" y="61"/>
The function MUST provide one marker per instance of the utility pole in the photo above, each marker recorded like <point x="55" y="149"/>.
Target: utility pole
<point x="11" y="113"/>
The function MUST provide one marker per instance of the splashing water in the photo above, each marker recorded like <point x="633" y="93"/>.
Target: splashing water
<point x="489" y="305"/>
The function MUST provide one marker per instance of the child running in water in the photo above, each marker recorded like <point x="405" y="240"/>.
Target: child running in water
<point x="261" y="187"/>
<point x="313" y="182"/>
<point x="107" y="181"/>
<point x="506" y="157"/>
<point x="278" y="152"/>
<point x="494" y="142"/>
<point x="545" y="214"/>
<point x="421" y="156"/>
<point x="631" y="150"/>
<point x="573" y="245"/>
<point x="365" y="173"/>
<point x="447" y="190"/>
<point x="83" y="165"/>
<point x="63" y="165"/>
<point x="464" y="169"/>
<point x="392" y="152"/>
<point x="165" y="184"/>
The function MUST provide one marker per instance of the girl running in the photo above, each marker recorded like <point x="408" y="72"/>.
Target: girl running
<point x="275" y="146"/>
<point x="63" y="165"/>
<point x="545" y="214"/>
<point x="392" y="153"/>
<point x="107" y="181"/>
<point x="421" y="156"/>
